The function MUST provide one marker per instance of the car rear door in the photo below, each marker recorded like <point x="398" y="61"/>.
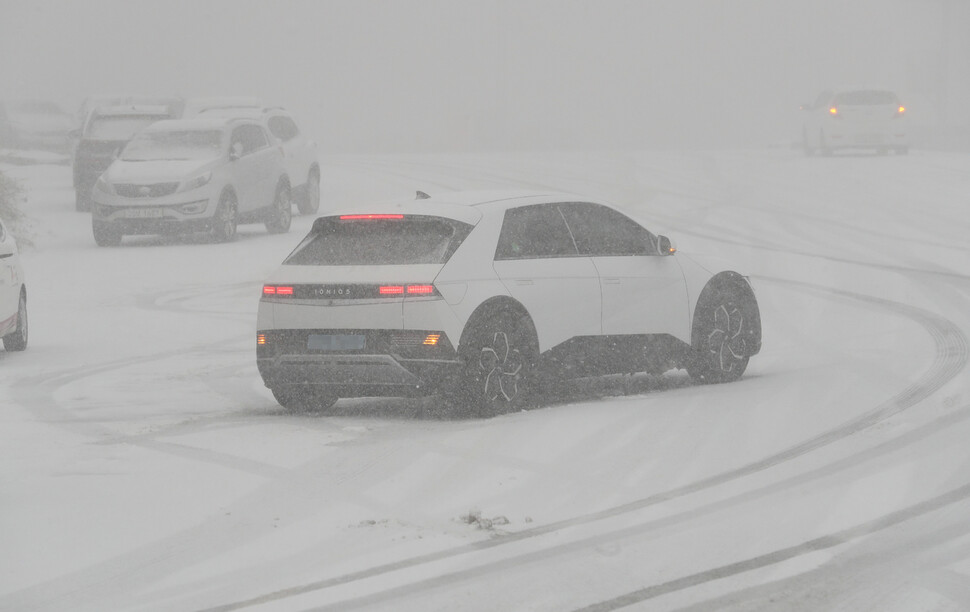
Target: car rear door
<point x="643" y="291"/>
<point x="537" y="261"/>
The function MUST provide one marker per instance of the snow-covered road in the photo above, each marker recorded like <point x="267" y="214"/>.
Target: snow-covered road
<point x="143" y="466"/>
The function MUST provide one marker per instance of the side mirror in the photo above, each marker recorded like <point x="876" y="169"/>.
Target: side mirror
<point x="664" y="247"/>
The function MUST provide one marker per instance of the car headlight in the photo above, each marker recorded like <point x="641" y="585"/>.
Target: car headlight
<point x="196" y="182"/>
<point x="104" y="186"/>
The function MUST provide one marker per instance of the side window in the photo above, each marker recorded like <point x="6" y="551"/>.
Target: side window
<point x="250" y="137"/>
<point x="3" y="233"/>
<point x="534" y="232"/>
<point x="602" y="231"/>
<point x="283" y="128"/>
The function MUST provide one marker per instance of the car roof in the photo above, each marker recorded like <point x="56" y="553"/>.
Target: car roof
<point x="194" y="124"/>
<point x="465" y="206"/>
<point x="132" y="109"/>
<point x="197" y="105"/>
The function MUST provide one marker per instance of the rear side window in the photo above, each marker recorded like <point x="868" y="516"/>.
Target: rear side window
<point x="534" y="232"/>
<point x="283" y="128"/>
<point x="866" y="98"/>
<point x="413" y="239"/>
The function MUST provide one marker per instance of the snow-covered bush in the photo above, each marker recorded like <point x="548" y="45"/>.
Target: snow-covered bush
<point x="12" y="196"/>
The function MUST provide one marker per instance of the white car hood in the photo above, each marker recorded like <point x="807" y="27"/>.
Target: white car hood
<point x="157" y="171"/>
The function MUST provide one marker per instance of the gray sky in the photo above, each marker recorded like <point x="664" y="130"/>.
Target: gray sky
<point x="399" y="75"/>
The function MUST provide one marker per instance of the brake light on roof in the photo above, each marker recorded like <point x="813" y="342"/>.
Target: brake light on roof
<point x="369" y="217"/>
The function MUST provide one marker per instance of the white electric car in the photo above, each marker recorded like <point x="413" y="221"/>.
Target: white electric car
<point x="13" y="294"/>
<point x="489" y="297"/>
<point x="193" y="175"/>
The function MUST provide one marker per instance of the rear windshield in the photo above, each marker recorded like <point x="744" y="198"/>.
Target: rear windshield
<point x="119" y="127"/>
<point x="862" y="98"/>
<point x="414" y="239"/>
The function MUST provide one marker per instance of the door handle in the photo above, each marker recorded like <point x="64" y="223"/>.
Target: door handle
<point x="524" y="281"/>
<point x="611" y="281"/>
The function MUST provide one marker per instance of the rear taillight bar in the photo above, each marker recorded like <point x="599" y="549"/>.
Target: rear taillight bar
<point x="347" y="291"/>
<point x="277" y="290"/>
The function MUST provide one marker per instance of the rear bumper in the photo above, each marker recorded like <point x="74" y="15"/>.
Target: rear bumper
<point x="394" y="364"/>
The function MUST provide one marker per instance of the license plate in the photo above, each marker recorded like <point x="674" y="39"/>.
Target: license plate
<point x="144" y="213"/>
<point x="335" y="342"/>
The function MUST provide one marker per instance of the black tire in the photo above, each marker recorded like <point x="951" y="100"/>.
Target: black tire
<point x="17" y="340"/>
<point x="226" y="220"/>
<point x="82" y="203"/>
<point x="106" y="234"/>
<point x="807" y="146"/>
<point x="499" y="355"/>
<point x="720" y="351"/>
<point x="310" y="202"/>
<point x="281" y="214"/>
<point x="823" y="146"/>
<point x="304" y="398"/>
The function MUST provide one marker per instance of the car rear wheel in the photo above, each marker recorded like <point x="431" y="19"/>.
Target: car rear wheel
<point x="823" y="145"/>
<point x="310" y="203"/>
<point x="17" y="341"/>
<point x="720" y="352"/>
<point x="282" y="213"/>
<point x="304" y="398"/>
<point x="499" y="364"/>
<point x="225" y="221"/>
<point x="82" y="203"/>
<point x="106" y="234"/>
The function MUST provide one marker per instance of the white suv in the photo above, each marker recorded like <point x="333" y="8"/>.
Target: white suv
<point x="299" y="151"/>
<point x="485" y="296"/>
<point x="193" y="175"/>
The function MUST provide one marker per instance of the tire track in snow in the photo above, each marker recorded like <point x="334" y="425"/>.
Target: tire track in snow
<point x="952" y="353"/>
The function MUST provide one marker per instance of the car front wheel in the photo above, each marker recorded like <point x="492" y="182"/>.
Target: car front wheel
<point x="720" y="347"/>
<point x="106" y="234"/>
<point x="224" y="223"/>
<point x="17" y="341"/>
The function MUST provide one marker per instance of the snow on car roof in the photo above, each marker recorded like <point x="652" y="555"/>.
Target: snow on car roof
<point x="133" y="109"/>
<point x="209" y="123"/>
<point x="466" y="206"/>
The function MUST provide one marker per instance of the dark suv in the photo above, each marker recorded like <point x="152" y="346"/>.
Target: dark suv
<point x="104" y="134"/>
